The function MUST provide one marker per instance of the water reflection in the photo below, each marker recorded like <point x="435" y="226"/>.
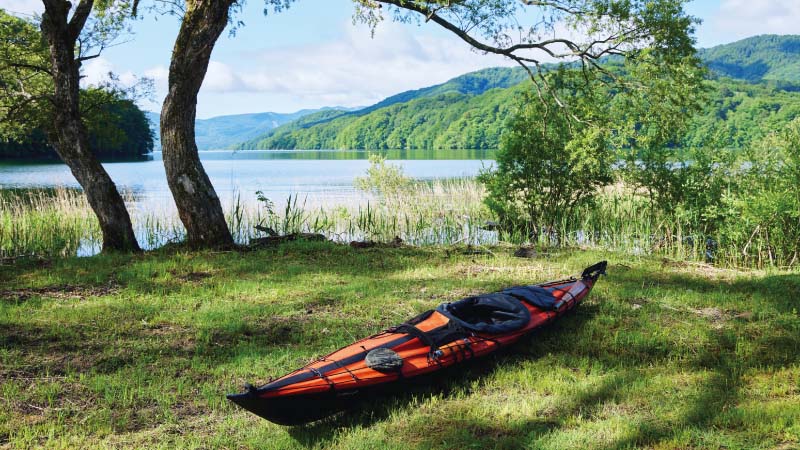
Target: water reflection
<point x="338" y="155"/>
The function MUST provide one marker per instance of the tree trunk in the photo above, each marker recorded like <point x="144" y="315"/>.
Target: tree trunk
<point x="198" y="205"/>
<point x="69" y="135"/>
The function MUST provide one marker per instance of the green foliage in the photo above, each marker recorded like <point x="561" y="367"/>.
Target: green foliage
<point x="382" y="178"/>
<point x="650" y="117"/>
<point x="24" y="78"/>
<point x="763" y="211"/>
<point x="546" y="165"/>
<point x="738" y="114"/>
<point x="117" y="127"/>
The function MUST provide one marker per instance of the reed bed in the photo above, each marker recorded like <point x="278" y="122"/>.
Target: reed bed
<point x="45" y="222"/>
<point x="426" y="213"/>
<point x="59" y="222"/>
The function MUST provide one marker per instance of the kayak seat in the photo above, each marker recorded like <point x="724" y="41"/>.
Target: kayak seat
<point x="534" y="295"/>
<point x="489" y="313"/>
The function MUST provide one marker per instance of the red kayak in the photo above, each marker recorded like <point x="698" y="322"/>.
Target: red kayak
<point x="434" y="340"/>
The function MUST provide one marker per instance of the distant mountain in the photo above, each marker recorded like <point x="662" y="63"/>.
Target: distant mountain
<point x="224" y="131"/>
<point x="467" y="85"/>
<point x="468" y="111"/>
<point x="766" y="57"/>
<point x="473" y="83"/>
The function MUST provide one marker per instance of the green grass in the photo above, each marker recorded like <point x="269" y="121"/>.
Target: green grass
<point x="138" y="351"/>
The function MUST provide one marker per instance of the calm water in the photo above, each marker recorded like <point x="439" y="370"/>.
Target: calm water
<point x="320" y="176"/>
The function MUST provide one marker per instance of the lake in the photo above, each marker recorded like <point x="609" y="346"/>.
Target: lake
<point x="321" y="176"/>
<point x="319" y="182"/>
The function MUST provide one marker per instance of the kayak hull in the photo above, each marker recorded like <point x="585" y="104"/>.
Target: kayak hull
<point x="298" y="409"/>
<point x="430" y="344"/>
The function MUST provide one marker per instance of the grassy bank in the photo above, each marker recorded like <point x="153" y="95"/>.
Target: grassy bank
<point x="138" y="351"/>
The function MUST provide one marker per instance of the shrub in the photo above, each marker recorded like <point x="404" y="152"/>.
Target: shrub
<point x="547" y="164"/>
<point x="764" y="215"/>
<point x="384" y="179"/>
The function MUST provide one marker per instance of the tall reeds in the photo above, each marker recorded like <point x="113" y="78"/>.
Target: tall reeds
<point x="59" y="222"/>
<point x="45" y="222"/>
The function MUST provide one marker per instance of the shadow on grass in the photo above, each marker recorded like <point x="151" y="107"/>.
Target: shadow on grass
<point x="254" y="330"/>
<point x="780" y="291"/>
<point x="719" y="393"/>
<point x="169" y="270"/>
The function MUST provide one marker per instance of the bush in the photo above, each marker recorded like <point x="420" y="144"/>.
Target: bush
<point x="384" y="179"/>
<point x="547" y="164"/>
<point x="763" y="217"/>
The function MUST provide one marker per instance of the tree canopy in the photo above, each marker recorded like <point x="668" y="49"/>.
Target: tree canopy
<point x="117" y="127"/>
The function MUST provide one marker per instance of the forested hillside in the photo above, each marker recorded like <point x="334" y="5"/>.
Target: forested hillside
<point x="224" y="131"/>
<point x="312" y="131"/>
<point x="768" y="57"/>
<point x="468" y="111"/>
<point x="738" y="113"/>
<point x="118" y="129"/>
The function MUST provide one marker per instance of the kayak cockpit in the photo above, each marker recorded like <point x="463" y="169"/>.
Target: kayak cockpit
<point x="490" y="313"/>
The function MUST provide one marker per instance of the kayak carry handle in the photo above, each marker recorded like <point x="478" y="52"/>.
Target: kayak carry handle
<point x="594" y="271"/>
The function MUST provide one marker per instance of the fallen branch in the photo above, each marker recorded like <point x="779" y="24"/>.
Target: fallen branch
<point x="394" y="243"/>
<point x="271" y="241"/>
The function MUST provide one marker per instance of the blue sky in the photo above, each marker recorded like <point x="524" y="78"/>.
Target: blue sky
<point x="312" y="55"/>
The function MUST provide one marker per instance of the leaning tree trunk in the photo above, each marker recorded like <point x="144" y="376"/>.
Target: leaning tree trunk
<point x="198" y="205"/>
<point x="69" y="135"/>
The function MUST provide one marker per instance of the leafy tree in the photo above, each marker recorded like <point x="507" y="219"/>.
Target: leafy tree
<point x="652" y="118"/>
<point x="40" y="76"/>
<point x="546" y="165"/>
<point x="25" y="80"/>
<point x="382" y="178"/>
<point x="117" y="129"/>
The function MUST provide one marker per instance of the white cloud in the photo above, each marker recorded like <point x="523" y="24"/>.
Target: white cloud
<point x="744" y="18"/>
<point x="222" y="78"/>
<point x="99" y="70"/>
<point x="22" y="7"/>
<point x="159" y="74"/>
<point x="354" y="70"/>
<point x="96" y="71"/>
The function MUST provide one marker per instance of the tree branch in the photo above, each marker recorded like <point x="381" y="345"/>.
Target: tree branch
<point x="20" y="65"/>
<point x="79" y="17"/>
<point x="87" y="58"/>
